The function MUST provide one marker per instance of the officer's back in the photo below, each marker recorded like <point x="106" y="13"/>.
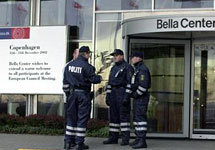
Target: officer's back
<point x="80" y="74"/>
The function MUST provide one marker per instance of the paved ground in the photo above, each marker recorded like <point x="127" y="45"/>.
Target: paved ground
<point x="15" y="142"/>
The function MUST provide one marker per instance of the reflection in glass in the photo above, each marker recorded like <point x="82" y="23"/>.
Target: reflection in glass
<point x="53" y="12"/>
<point x="108" y="38"/>
<point x="169" y="4"/>
<point x="166" y="65"/>
<point x="16" y="13"/>
<point x="50" y="105"/>
<point x="13" y="104"/>
<point x="122" y="4"/>
<point x="204" y="91"/>
<point x="79" y="15"/>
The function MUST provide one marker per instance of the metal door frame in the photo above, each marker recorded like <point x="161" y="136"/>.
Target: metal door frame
<point x="186" y="111"/>
<point x="193" y="135"/>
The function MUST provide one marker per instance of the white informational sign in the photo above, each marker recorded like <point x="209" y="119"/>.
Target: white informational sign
<point x="32" y="59"/>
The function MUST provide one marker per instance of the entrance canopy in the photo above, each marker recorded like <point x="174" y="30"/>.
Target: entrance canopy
<point x="169" y="23"/>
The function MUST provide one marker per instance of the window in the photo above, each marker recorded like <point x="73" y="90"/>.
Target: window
<point x="15" y="13"/>
<point x="13" y="104"/>
<point x="123" y="4"/>
<point x="50" y="105"/>
<point x="171" y="4"/>
<point x="53" y="12"/>
<point x="79" y="15"/>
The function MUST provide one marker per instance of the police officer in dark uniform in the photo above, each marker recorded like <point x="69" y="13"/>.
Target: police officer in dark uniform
<point x="66" y="89"/>
<point x="79" y="74"/>
<point x="140" y="83"/>
<point x="119" y="82"/>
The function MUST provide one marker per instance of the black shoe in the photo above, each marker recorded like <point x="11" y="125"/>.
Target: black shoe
<point x="110" y="141"/>
<point x="134" y="142"/>
<point x="69" y="145"/>
<point x="73" y="144"/>
<point x="124" y="143"/>
<point x="140" y="144"/>
<point x="82" y="147"/>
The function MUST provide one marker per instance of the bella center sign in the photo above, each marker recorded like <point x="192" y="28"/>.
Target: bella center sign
<point x="168" y="24"/>
<point x="186" y="23"/>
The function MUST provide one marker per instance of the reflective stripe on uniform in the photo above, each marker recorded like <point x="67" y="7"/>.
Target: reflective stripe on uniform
<point x="128" y="85"/>
<point x="125" y="129"/>
<point x="133" y="77"/>
<point x="71" y="128"/>
<point x="140" y="128"/>
<point x="141" y="89"/>
<point x="108" y="91"/>
<point x="114" y="124"/>
<point x="81" y="129"/>
<point x="140" y="123"/>
<point x="65" y="85"/>
<point x="80" y="134"/>
<point x="113" y="130"/>
<point x="70" y="133"/>
<point x="128" y="91"/>
<point x="139" y="92"/>
<point x="125" y="124"/>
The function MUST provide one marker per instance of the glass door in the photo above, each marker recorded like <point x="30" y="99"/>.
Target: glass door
<point x="169" y="65"/>
<point x="203" y="93"/>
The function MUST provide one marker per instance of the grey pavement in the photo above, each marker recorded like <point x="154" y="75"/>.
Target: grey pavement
<point x="18" y="141"/>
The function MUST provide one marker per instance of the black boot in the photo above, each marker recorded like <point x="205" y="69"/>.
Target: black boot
<point x="124" y="143"/>
<point x="134" y="142"/>
<point x="69" y="145"/>
<point x="82" y="146"/>
<point x="73" y="144"/>
<point x="110" y="141"/>
<point x="140" y="144"/>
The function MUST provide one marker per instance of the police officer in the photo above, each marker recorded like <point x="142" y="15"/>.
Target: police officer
<point x="66" y="89"/>
<point x="79" y="74"/>
<point x="119" y="78"/>
<point x="140" y="83"/>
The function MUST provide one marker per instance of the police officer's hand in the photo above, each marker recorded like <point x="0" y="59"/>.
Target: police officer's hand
<point x="108" y="99"/>
<point x="134" y="95"/>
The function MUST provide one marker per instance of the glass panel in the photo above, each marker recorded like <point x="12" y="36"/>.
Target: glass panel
<point x="106" y="41"/>
<point x="204" y="90"/>
<point x="53" y="12"/>
<point x="166" y="65"/>
<point x="13" y="104"/>
<point x="79" y="14"/>
<point x="15" y="13"/>
<point x="123" y="4"/>
<point x="50" y="105"/>
<point x="169" y="4"/>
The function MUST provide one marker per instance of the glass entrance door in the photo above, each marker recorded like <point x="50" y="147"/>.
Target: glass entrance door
<point x="169" y="65"/>
<point x="203" y="109"/>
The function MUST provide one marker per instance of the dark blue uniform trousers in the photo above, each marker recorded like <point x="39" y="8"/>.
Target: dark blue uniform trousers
<point x="78" y="113"/>
<point x="119" y="115"/>
<point x="140" y="106"/>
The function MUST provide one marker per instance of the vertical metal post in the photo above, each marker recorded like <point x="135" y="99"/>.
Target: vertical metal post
<point x="153" y="5"/>
<point x="37" y="12"/>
